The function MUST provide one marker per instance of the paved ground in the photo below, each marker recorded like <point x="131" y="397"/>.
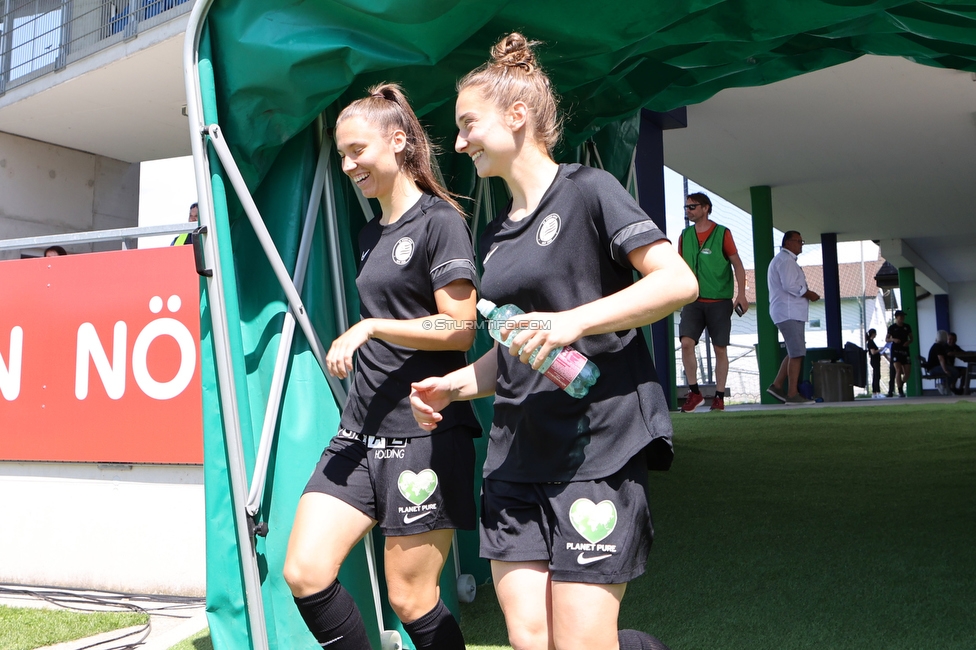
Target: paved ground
<point x="171" y="619"/>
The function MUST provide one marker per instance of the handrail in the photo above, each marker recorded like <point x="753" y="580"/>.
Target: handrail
<point x="96" y="236"/>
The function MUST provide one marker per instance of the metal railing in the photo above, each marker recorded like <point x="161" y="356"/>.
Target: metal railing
<point x="128" y="237"/>
<point x="40" y="36"/>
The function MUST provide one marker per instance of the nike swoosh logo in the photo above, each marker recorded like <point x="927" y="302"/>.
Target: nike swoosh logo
<point x="490" y="253"/>
<point x="365" y="254"/>
<point x="581" y="559"/>
<point x="409" y="519"/>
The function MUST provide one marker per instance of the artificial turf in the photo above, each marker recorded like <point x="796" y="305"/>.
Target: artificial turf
<point x="827" y="528"/>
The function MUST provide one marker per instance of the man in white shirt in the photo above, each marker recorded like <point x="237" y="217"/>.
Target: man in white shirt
<point x="789" y="307"/>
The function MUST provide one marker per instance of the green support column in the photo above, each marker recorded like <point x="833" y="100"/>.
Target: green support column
<point x="906" y="284"/>
<point x="762" y="243"/>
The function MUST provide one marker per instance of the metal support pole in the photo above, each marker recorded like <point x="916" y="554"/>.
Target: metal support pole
<point x="254" y="602"/>
<point x="268" y="245"/>
<point x="649" y="163"/>
<point x="332" y="235"/>
<point x="762" y="244"/>
<point x="906" y="284"/>
<point x="260" y="474"/>
<point x="831" y="297"/>
<point x="942" y="320"/>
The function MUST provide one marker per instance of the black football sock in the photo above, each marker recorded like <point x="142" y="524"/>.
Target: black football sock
<point x="720" y="393"/>
<point x="694" y="389"/>
<point x="637" y="640"/>
<point x="436" y="630"/>
<point x="333" y="619"/>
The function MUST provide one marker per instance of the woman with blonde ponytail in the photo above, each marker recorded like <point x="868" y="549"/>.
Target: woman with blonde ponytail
<point x="416" y="284"/>
<point x="565" y="518"/>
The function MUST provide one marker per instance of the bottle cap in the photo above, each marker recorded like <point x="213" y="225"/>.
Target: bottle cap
<point x="486" y="307"/>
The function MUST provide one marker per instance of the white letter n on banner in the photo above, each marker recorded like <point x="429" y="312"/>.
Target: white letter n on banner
<point x="89" y="346"/>
<point x="10" y="375"/>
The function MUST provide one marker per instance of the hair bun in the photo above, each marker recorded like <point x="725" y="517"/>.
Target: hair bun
<point x="514" y="51"/>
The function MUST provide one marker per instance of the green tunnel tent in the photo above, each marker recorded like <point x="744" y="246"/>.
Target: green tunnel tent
<point x="264" y="82"/>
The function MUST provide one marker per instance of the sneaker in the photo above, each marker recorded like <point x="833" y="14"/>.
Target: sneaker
<point x="890" y="395"/>
<point x="718" y="403"/>
<point x="901" y="393"/>
<point x="776" y="392"/>
<point x="799" y="399"/>
<point x="693" y="400"/>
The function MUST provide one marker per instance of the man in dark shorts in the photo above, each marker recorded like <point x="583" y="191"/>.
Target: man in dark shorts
<point x="709" y="250"/>
<point x="900" y="337"/>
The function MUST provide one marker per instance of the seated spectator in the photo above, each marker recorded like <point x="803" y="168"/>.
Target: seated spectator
<point x="938" y="364"/>
<point x="954" y="349"/>
<point x="54" y="251"/>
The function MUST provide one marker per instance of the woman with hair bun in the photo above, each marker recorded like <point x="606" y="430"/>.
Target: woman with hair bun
<point x="416" y="284"/>
<point x="565" y="518"/>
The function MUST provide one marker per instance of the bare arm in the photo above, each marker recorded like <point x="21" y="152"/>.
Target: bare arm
<point x="667" y="285"/>
<point x="432" y="395"/>
<point x="452" y="328"/>
<point x="740" y="282"/>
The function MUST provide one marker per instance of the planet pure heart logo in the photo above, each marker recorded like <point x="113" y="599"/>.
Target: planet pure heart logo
<point x="417" y="488"/>
<point x="594" y="521"/>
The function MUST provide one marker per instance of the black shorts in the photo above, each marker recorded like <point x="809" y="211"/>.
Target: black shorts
<point x="716" y="316"/>
<point x="596" y="532"/>
<point x="408" y="485"/>
<point x="900" y="356"/>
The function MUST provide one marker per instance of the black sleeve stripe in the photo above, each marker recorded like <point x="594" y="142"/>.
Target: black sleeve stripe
<point x="451" y="270"/>
<point x="619" y="244"/>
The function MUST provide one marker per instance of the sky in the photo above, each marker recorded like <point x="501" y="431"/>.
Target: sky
<point x="167" y="188"/>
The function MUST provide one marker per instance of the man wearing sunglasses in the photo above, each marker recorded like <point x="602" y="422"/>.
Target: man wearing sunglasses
<point x="708" y="249"/>
<point x="789" y="307"/>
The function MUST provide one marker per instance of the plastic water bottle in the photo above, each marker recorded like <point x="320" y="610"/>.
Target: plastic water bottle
<point x="566" y="367"/>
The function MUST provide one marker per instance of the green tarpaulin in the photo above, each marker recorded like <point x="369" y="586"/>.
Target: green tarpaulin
<point x="269" y="68"/>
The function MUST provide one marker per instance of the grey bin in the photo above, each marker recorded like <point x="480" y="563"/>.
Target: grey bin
<point x="833" y="382"/>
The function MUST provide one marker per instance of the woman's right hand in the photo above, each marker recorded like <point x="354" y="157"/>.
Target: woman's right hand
<point x="428" y="398"/>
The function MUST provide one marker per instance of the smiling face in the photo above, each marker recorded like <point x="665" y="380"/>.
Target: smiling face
<point x="484" y="134"/>
<point x="369" y="156"/>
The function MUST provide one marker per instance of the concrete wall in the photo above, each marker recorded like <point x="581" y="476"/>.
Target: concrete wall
<point x="962" y="313"/>
<point x="134" y="529"/>
<point x="47" y="190"/>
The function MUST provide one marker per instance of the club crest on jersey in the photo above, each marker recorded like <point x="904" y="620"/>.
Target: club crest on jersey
<point x="403" y="251"/>
<point x="548" y="230"/>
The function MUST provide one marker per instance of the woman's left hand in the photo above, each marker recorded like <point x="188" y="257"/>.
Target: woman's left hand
<point x="339" y="359"/>
<point x="542" y="331"/>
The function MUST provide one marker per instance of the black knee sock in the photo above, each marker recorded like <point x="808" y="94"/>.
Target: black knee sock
<point x="637" y="640"/>
<point x="694" y="389"/>
<point x="436" y="630"/>
<point x="333" y="619"/>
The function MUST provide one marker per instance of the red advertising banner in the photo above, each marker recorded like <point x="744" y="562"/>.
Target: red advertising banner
<point x="100" y="358"/>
